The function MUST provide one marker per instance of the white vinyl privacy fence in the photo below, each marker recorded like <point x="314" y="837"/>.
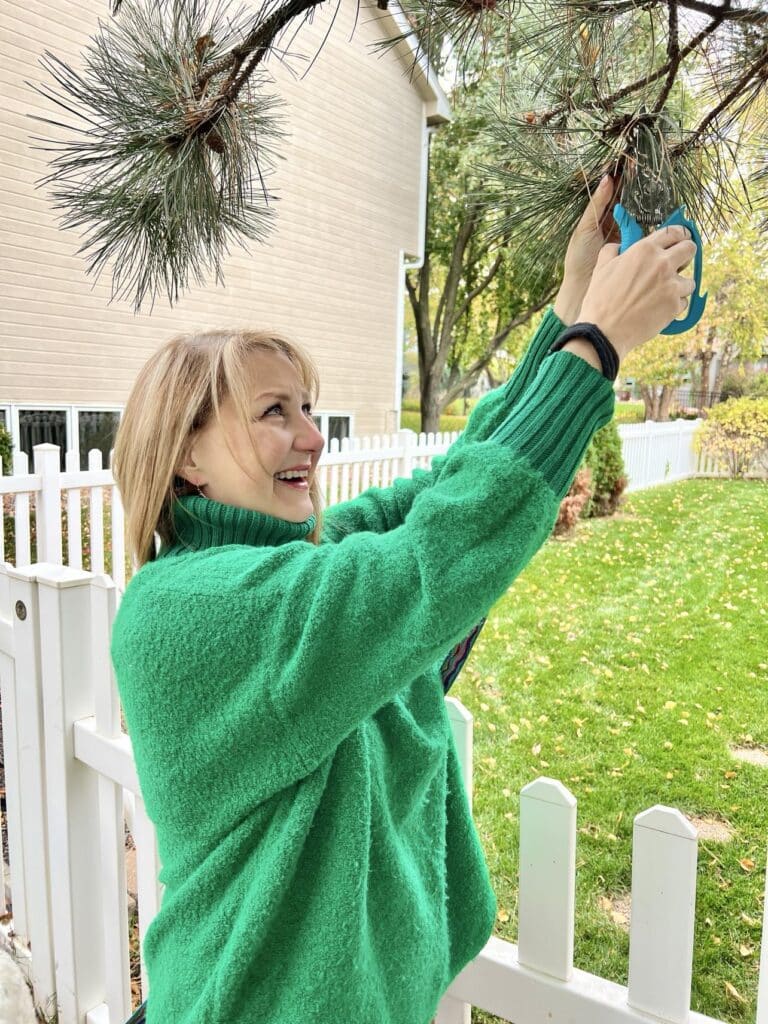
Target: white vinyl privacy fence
<point x="71" y="783"/>
<point x="654" y="453"/>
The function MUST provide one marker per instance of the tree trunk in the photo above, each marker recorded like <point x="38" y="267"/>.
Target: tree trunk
<point x="651" y="397"/>
<point x="430" y="404"/>
<point x="706" y="357"/>
<point x="665" y="400"/>
<point x="726" y="358"/>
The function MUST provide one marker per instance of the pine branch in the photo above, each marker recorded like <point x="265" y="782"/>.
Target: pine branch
<point x="171" y="137"/>
<point x="256" y="45"/>
<point x="608" y="102"/>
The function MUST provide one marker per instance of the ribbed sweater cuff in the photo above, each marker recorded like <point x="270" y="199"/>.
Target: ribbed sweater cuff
<point x="555" y="420"/>
<point x="547" y="332"/>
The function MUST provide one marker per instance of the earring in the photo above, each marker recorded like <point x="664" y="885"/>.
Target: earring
<point x="200" y="491"/>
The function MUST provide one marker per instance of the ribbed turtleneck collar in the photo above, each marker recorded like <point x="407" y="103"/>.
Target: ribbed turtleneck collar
<point x="202" y="523"/>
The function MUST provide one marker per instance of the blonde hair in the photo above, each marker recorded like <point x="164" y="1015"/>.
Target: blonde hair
<point x="177" y="391"/>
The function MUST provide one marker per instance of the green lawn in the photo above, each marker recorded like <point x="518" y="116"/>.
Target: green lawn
<point x="623" y="662"/>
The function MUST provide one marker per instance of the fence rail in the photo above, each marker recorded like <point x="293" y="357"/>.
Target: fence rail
<point x="70" y="767"/>
<point x="653" y="453"/>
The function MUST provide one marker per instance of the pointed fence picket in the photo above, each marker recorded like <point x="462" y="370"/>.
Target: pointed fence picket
<point x="70" y="766"/>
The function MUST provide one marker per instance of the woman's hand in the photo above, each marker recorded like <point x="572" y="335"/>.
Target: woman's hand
<point x="633" y="296"/>
<point x="595" y="228"/>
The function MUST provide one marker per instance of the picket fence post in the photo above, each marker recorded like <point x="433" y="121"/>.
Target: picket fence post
<point x="664" y="851"/>
<point x="23" y="540"/>
<point x="71" y="789"/>
<point x="25" y="768"/>
<point x="451" y="1010"/>
<point x="407" y="440"/>
<point x="547" y="878"/>
<point x="114" y="908"/>
<point x="762" y="987"/>
<point x="48" y="504"/>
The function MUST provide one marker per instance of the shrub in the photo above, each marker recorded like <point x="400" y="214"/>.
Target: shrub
<point x="734" y="385"/>
<point x="6" y="451"/>
<point x="735" y="435"/>
<point x="630" y="412"/>
<point x="686" y="412"/>
<point x="606" y="462"/>
<point x="757" y="385"/>
<point x="573" y="503"/>
<point x="9" y="528"/>
<point x="412" y="421"/>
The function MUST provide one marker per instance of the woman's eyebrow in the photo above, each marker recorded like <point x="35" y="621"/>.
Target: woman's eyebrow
<point x="281" y="395"/>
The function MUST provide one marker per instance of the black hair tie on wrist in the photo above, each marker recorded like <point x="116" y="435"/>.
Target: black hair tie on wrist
<point x="609" y="357"/>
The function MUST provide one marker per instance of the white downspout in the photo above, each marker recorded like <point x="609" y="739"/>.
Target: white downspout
<point x="416" y="263"/>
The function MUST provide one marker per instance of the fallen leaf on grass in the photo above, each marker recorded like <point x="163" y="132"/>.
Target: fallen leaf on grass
<point x="747" y="864"/>
<point x="751" y="921"/>
<point x="734" y="993"/>
<point x="503" y="916"/>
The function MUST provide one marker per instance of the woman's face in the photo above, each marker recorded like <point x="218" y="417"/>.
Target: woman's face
<point x="282" y="432"/>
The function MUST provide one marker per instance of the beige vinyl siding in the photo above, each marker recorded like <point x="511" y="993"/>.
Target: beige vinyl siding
<point x="348" y="188"/>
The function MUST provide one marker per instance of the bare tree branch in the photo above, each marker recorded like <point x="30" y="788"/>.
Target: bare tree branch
<point x="759" y="69"/>
<point x="474" y="370"/>
<point x="673" y="50"/>
<point x="477" y="290"/>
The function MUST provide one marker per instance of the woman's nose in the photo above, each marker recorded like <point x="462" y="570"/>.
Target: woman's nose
<point x="310" y="439"/>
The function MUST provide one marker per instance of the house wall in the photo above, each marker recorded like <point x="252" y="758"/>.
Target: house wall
<point x="348" y="205"/>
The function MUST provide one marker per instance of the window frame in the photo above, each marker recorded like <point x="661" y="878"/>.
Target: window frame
<point x="325" y="416"/>
<point x="72" y="412"/>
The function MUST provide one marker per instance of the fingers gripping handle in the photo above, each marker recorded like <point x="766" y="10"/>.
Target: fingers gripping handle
<point x="631" y="232"/>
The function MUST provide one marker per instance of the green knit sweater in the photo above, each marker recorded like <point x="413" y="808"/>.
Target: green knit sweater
<point x="289" y="727"/>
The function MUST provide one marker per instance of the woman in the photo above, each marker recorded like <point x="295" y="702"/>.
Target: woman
<point x="285" y="699"/>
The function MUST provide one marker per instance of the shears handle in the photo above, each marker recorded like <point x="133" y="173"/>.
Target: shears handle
<point x="631" y="232"/>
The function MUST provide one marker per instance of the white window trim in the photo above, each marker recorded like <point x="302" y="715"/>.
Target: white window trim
<point x="324" y="416"/>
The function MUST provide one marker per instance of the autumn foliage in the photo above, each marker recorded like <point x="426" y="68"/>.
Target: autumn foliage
<point x="735" y="435"/>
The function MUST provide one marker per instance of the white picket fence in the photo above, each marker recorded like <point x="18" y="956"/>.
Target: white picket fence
<point x="657" y="453"/>
<point x="654" y="453"/>
<point x="69" y="769"/>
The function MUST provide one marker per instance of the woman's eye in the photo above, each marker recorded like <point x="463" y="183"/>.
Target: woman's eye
<point x="277" y="409"/>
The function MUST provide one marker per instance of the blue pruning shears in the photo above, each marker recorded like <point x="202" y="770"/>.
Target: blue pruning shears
<point x="632" y="232"/>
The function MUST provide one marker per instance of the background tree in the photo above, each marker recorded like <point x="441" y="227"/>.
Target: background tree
<point x="465" y="300"/>
<point x="658" y="368"/>
<point x="735" y="322"/>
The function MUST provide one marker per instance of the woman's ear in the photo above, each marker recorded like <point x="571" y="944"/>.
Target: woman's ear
<point x="187" y="470"/>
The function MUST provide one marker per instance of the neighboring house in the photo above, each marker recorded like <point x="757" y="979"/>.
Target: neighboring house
<point x="351" y="209"/>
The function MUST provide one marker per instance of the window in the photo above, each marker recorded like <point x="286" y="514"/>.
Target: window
<point x="338" y="426"/>
<point x="67" y="427"/>
<point x="334" y="425"/>
<point x="42" y="426"/>
<point x="97" y="429"/>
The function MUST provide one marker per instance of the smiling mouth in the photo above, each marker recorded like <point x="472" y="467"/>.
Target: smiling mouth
<point x="296" y="485"/>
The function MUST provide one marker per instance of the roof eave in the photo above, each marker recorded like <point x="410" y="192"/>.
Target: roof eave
<point x="423" y="75"/>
